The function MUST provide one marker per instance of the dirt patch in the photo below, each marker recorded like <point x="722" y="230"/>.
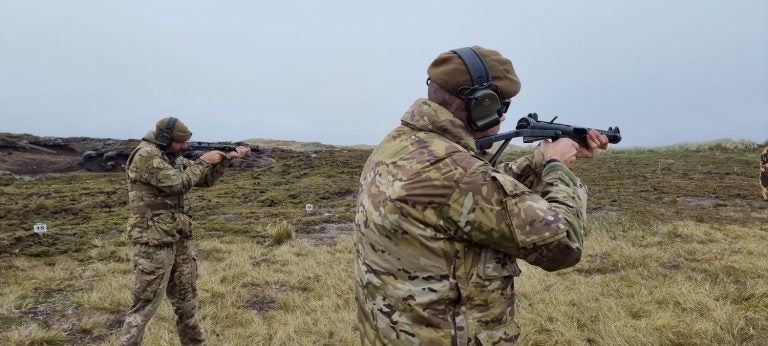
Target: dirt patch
<point x="229" y="218"/>
<point x="28" y="154"/>
<point x="48" y="314"/>
<point x="711" y="202"/>
<point x="115" y="323"/>
<point x="261" y="305"/>
<point x="708" y="202"/>
<point x="326" y="233"/>
<point x="23" y="163"/>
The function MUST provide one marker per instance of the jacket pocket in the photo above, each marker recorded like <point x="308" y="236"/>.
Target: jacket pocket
<point x="532" y="218"/>
<point x="163" y="228"/>
<point x="149" y="272"/>
<point x="496" y="273"/>
<point x="496" y="264"/>
<point x="503" y="334"/>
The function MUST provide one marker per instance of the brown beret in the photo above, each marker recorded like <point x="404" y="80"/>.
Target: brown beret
<point x="449" y="72"/>
<point x="180" y="132"/>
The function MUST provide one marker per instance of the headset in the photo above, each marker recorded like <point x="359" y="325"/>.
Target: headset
<point x="483" y="104"/>
<point x="164" y="136"/>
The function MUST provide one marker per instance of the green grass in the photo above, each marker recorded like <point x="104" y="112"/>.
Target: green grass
<point x="674" y="254"/>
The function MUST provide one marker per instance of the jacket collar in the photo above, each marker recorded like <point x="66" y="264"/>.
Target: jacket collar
<point x="426" y="115"/>
<point x="150" y="137"/>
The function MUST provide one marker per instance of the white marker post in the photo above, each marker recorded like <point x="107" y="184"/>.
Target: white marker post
<point x="40" y="228"/>
<point x="309" y="208"/>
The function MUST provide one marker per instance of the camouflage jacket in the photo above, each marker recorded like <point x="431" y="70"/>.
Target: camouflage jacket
<point x="157" y="184"/>
<point x="438" y="231"/>
<point x="764" y="172"/>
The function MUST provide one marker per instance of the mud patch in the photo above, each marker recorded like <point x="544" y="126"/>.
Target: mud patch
<point x="260" y="305"/>
<point x="34" y="163"/>
<point x="115" y="323"/>
<point x="229" y="218"/>
<point x="49" y="314"/>
<point x="707" y="202"/>
<point x="711" y="202"/>
<point x="326" y="233"/>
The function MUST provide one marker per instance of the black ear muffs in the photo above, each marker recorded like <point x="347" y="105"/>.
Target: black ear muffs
<point x="483" y="104"/>
<point x="164" y="136"/>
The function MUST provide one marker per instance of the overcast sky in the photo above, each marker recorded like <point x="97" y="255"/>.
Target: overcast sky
<point x="343" y="72"/>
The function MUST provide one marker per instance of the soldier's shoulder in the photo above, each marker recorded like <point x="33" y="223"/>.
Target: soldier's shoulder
<point x="146" y="152"/>
<point x="148" y="149"/>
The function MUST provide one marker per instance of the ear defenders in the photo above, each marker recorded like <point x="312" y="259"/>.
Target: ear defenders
<point x="165" y="135"/>
<point x="484" y="108"/>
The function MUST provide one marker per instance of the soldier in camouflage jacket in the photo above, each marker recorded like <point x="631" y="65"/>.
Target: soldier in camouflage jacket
<point x="438" y="230"/>
<point x="160" y="229"/>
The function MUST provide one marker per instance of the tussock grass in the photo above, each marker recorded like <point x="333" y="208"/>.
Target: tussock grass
<point x="34" y="334"/>
<point x="281" y="232"/>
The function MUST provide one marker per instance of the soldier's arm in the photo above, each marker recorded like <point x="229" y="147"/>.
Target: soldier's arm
<point x="545" y="229"/>
<point x="527" y="169"/>
<point x="159" y="173"/>
<point x="213" y="175"/>
<point x="566" y="194"/>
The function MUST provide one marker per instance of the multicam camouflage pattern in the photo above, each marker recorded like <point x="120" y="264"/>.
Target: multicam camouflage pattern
<point x="157" y="184"/>
<point x="160" y="229"/>
<point x="438" y="231"/>
<point x="764" y="172"/>
<point x="157" y="270"/>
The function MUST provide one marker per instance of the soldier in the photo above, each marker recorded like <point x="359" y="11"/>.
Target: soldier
<point x="161" y="230"/>
<point x="764" y="172"/>
<point x="438" y="230"/>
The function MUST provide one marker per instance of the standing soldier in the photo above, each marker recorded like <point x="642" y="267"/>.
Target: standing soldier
<point x="438" y="229"/>
<point x="160" y="228"/>
<point x="764" y="172"/>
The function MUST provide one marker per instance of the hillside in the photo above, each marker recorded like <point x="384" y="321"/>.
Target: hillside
<point x="675" y="253"/>
<point x="301" y="146"/>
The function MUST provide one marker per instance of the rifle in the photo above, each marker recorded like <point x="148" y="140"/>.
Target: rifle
<point x="531" y="129"/>
<point x="195" y="149"/>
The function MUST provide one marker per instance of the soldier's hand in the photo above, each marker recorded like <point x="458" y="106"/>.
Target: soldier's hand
<point x="563" y="150"/>
<point x="240" y="152"/>
<point x="212" y="157"/>
<point x="594" y="141"/>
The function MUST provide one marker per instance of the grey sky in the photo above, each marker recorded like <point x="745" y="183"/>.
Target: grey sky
<point x="343" y="72"/>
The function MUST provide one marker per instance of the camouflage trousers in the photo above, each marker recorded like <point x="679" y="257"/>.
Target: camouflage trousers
<point x="158" y="269"/>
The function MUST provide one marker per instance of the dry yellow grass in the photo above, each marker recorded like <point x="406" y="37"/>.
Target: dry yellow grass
<point x="638" y="283"/>
<point x="297" y="293"/>
<point x="683" y="283"/>
<point x="281" y="232"/>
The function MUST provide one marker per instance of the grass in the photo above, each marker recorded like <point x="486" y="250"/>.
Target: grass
<point x="674" y="255"/>
<point x="682" y="283"/>
<point x="281" y="232"/>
